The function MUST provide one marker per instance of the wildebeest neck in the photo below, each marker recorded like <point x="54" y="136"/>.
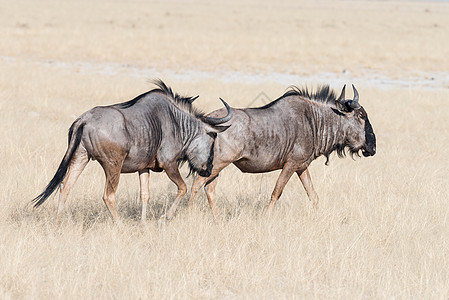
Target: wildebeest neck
<point x="188" y="128"/>
<point x="328" y="132"/>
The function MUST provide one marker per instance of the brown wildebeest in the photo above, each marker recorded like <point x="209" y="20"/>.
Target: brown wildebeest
<point x="155" y="131"/>
<point x="288" y="134"/>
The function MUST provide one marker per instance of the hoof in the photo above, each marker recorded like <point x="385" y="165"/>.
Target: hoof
<point x="165" y="217"/>
<point x="162" y="222"/>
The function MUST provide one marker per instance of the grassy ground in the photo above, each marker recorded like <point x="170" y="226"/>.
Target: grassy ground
<point x="382" y="226"/>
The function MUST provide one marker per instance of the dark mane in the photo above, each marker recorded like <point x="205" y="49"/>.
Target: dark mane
<point x="133" y="101"/>
<point x="183" y="102"/>
<point x="323" y="94"/>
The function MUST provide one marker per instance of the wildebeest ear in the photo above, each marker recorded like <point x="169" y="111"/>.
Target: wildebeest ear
<point x="212" y="134"/>
<point x="338" y="112"/>
<point x="341" y="107"/>
<point x="216" y="128"/>
<point x="193" y="99"/>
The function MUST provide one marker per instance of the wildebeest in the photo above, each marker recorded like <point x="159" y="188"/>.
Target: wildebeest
<point x="155" y="131"/>
<point x="288" y="134"/>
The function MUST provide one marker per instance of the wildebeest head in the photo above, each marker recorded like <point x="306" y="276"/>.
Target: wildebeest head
<point x="357" y="128"/>
<point x="200" y="152"/>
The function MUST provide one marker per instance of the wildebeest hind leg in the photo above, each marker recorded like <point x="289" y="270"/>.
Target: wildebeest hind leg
<point x="304" y="176"/>
<point x="77" y="165"/>
<point x="112" y="173"/>
<point x="144" y="179"/>
<point x="285" y="175"/>
<point x="173" y="173"/>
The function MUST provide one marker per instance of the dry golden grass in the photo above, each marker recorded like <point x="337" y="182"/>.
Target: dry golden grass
<point x="382" y="226"/>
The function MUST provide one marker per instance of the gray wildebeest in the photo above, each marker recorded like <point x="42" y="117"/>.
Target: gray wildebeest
<point x="155" y="131"/>
<point x="288" y="134"/>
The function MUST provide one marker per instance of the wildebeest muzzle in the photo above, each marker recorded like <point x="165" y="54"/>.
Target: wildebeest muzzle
<point x="370" y="140"/>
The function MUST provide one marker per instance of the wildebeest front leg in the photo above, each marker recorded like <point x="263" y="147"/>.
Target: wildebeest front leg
<point x="210" y="193"/>
<point x="209" y="188"/>
<point x="77" y="165"/>
<point x="173" y="173"/>
<point x="196" y="186"/>
<point x="304" y="176"/>
<point x="285" y="175"/>
<point x="210" y="183"/>
<point x="144" y="179"/>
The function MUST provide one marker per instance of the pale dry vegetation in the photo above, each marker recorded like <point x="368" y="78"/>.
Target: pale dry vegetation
<point x="382" y="227"/>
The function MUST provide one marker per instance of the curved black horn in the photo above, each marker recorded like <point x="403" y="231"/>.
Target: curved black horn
<point x="217" y="121"/>
<point x="341" y="99"/>
<point x="354" y="104"/>
<point x="356" y="95"/>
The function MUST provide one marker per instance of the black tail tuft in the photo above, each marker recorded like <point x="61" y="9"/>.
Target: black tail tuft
<point x="63" y="166"/>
